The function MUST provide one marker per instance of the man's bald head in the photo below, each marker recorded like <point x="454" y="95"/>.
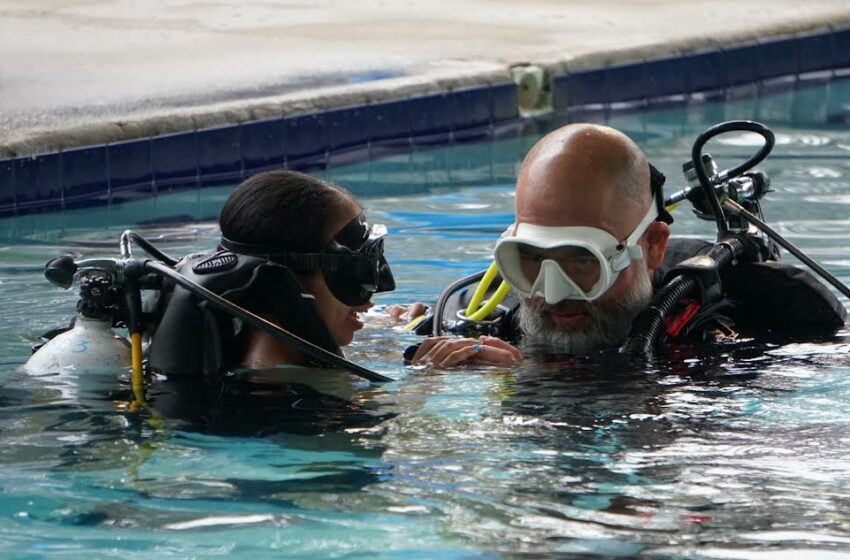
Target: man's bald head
<point x="584" y="175"/>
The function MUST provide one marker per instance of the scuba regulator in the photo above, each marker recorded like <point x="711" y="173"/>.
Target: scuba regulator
<point x="732" y="199"/>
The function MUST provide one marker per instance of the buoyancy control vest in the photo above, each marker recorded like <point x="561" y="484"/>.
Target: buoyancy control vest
<point x="191" y="338"/>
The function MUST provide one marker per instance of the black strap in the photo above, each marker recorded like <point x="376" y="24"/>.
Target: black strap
<point x="656" y="183"/>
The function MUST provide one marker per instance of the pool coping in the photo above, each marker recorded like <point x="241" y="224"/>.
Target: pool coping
<point x="315" y="129"/>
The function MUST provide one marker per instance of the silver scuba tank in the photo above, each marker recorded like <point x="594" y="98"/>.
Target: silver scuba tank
<point x="90" y="345"/>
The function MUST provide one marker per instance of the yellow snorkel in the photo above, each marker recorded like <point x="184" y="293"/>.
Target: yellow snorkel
<point x="476" y="311"/>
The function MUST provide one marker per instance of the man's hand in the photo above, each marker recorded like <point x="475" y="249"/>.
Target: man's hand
<point x="406" y="314"/>
<point x="445" y="351"/>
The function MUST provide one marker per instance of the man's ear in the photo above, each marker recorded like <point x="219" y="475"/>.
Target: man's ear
<point x="656" y="237"/>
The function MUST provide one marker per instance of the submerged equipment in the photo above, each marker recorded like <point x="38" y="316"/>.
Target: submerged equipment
<point x="198" y="307"/>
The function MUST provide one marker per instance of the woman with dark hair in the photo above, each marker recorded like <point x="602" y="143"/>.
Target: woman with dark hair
<point x="294" y="250"/>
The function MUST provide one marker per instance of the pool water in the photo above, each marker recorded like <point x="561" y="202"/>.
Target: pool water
<point x="741" y="454"/>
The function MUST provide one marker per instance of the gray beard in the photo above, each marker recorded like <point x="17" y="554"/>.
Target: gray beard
<point x="609" y="324"/>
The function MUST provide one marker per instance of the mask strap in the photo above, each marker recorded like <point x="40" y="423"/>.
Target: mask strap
<point x="639" y="230"/>
<point x="298" y="262"/>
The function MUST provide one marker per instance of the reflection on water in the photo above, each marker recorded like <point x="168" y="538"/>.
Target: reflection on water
<point x="740" y="451"/>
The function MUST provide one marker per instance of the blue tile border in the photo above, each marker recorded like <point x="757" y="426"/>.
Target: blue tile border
<point x="730" y="71"/>
<point x="135" y="169"/>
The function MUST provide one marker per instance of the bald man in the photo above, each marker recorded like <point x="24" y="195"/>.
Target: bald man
<point x="587" y="239"/>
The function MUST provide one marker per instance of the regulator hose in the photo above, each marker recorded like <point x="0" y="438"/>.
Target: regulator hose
<point x="648" y="327"/>
<point x="148" y="247"/>
<point x="707" y="183"/>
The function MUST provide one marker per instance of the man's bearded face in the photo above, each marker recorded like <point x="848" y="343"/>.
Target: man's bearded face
<point x="607" y="322"/>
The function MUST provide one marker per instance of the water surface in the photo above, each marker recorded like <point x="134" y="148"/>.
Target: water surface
<point x="739" y="453"/>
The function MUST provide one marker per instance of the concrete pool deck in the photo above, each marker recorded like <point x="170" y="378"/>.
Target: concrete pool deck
<point x="83" y="72"/>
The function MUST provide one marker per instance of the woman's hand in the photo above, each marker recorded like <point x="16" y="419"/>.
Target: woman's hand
<point x="446" y="351"/>
<point x="405" y="314"/>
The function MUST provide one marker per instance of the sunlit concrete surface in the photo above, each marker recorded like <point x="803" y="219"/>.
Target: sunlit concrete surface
<point x="80" y="65"/>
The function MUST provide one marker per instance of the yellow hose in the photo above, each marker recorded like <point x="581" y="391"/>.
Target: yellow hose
<point x="481" y="289"/>
<point x="137" y="381"/>
<point x="473" y="313"/>
<point x="491" y="303"/>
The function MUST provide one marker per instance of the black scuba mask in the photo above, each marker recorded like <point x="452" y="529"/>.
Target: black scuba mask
<point x="353" y="263"/>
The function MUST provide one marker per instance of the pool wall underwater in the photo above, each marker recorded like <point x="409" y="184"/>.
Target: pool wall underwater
<point x="116" y="172"/>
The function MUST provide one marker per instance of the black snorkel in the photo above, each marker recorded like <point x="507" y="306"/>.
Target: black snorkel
<point x="731" y="199"/>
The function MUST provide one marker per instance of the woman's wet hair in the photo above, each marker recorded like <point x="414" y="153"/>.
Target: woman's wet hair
<point x="287" y="210"/>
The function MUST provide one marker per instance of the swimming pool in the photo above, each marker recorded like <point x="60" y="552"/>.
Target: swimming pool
<point x="739" y="455"/>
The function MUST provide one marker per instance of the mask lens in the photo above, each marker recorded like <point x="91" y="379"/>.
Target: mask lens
<point x="356" y="283"/>
<point x="578" y="263"/>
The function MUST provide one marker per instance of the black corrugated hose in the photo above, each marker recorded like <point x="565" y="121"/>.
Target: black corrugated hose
<point x="649" y="327"/>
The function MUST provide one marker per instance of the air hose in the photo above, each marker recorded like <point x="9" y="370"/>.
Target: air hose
<point x="649" y="326"/>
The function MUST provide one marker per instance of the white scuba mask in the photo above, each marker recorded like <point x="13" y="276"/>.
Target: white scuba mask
<point x="561" y="263"/>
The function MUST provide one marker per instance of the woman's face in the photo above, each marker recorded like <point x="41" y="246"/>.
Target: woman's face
<point x="342" y="320"/>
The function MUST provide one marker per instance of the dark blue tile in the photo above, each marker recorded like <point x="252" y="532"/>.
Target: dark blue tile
<point x="471" y="108"/>
<point x="38" y="182"/>
<point x="390" y="121"/>
<point x="306" y="141"/>
<point x="592" y="113"/>
<point x="130" y="170"/>
<point x="627" y="82"/>
<point x="347" y="128"/>
<point x="219" y="154"/>
<point x="841" y="48"/>
<point x="740" y="64"/>
<point x="263" y="145"/>
<point x="814" y="52"/>
<point x="704" y="71"/>
<point x="776" y="57"/>
<point x="667" y="77"/>
<point x="174" y="162"/>
<point x="7" y="188"/>
<point x="579" y="88"/>
<point x="503" y="102"/>
<point x="84" y="176"/>
<point x="476" y="134"/>
<point x="431" y="118"/>
<point x="560" y="94"/>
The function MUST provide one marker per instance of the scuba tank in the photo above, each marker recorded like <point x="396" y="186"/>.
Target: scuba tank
<point x="89" y="344"/>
